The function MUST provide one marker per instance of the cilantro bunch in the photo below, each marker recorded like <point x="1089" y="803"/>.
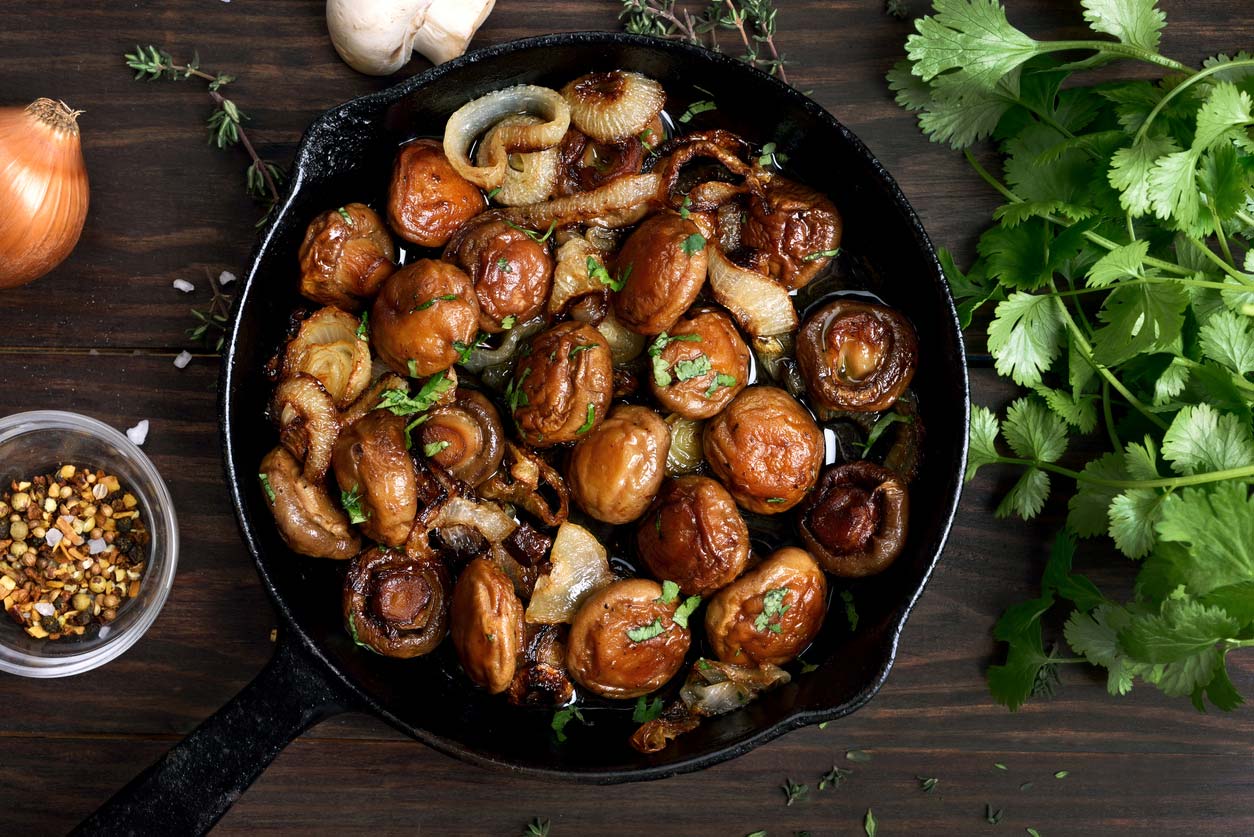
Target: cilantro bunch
<point x="1121" y="268"/>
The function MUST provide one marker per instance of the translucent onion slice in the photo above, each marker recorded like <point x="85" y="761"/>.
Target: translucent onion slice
<point x="761" y="307"/>
<point x="327" y="347"/>
<point x="580" y="568"/>
<point x="613" y="106"/>
<point x="625" y="344"/>
<point x="571" y="277"/>
<point x="529" y="178"/>
<point x="309" y="424"/>
<point x="685" y="454"/>
<point x="473" y="120"/>
<point x="619" y="203"/>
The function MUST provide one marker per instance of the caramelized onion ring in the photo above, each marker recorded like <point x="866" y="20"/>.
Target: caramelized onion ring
<point x="619" y="203"/>
<point x="472" y="120"/>
<point x="308" y="422"/>
<point x="327" y="347"/>
<point x="761" y="307"/>
<point x="529" y="178"/>
<point x="613" y="106"/>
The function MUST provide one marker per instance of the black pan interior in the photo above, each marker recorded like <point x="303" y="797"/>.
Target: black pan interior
<point x="347" y="155"/>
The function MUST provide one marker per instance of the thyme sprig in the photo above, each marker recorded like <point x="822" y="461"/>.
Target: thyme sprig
<point x="262" y="178"/>
<point x="212" y="318"/>
<point x="752" y="20"/>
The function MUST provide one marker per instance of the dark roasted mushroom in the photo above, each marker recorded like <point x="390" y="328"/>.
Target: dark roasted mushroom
<point x="792" y="231"/>
<point x="372" y="466"/>
<point x="512" y="272"/>
<point x="396" y="604"/>
<point x="424" y="316"/>
<point x="616" y="469"/>
<point x="856" y="355"/>
<point x="855" y="520"/>
<point x="346" y="255"/>
<point x="428" y="200"/>
<point x="694" y="536"/>
<point x="487" y="625"/>
<point x="663" y="264"/>
<point x="586" y="164"/>
<point x="624" y="642"/>
<point x="700" y="365"/>
<point x="765" y="448"/>
<point x="307" y="519"/>
<point x="771" y="613"/>
<point x="562" y="385"/>
<point x="464" y="438"/>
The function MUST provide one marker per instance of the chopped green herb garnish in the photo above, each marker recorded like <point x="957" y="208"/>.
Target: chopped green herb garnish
<point x="265" y="485"/>
<point x="851" y="612"/>
<point x="1032" y="832"/>
<point x="597" y="271"/>
<point x="646" y="710"/>
<point x="352" y="631"/>
<point x="858" y="756"/>
<point x="533" y="235"/>
<point x="721" y="381"/>
<point x="927" y="784"/>
<point x="582" y="347"/>
<point x="508" y="322"/>
<point x="398" y="402"/>
<point x="773" y="608"/>
<point x="432" y="448"/>
<point x="685" y="610"/>
<point x="644" y="632"/>
<point x="492" y="194"/>
<point x="351" y="501"/>
<point x="670" y="592"/>
<point x="645" y="136"/>
<point x="834" y="777"/>
<point x="695" y="108"/>
<point x="587" y="423"/>
<point x="698" y="366"/>
<point x="794" y="791"/>
<point x="806" y="668"/>
<point x="881" y="424"/>
<point x="502" y="264"/>
<point x="363" y="327"/>
<point x="412" y="366"/>
<point x="464" y="351"/>
<point x="661" y="369"/>
<point x="693" y="244"/>
<point x="822" y="254"/>
<point x="344" y="214"/>
<point x="514" y="395"/>
<point x="774" y="501"/>
<point x="869" y="825"/>
<point x="562" y="717"/>
<point x="1000" y="766"/>
<point x="409" y="429"/>
<point x="1026" y="786"/>
<point x="1062" y="774"/>
<point x="824" y="724"/>
<point x="424" y="306"/>
<point x="683" y="208"/>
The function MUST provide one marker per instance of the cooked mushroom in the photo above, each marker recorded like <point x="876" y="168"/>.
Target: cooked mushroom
<point x="425" y="313"/>
<point x="624" y="642"/>
<point x="308" y="520"/>
<point x="699" y="365"/>
<point x="511" y="271"/>
<point x="487" y="625"/>
<point x="792" y="231"/>
<point x="694" y="536"/>
<point x="308" y="422"/>
<point x="428" y="199"/>
<point x="562" y="385"/>
<point x="856" y="355"/>
<point x="396" y="604"/>
<point x="663" y="265"/>
<point x="327" y="347"/>
<point x="855" y="520"/>
<point x="464" y="438"/>
<point x="771" y="613"/>
<point x="346" y="255"/>
<point x="765" y="448"/>
<point x="616" y="469"/>
<point x="373" y="467"/>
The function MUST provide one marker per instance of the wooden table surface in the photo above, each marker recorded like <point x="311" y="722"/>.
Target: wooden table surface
<point x="98" y="336"/>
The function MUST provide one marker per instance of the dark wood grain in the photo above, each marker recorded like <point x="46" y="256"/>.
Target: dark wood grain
<point x="165" y="206"/>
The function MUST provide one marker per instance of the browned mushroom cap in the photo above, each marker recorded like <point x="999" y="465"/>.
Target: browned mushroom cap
<point x="307" y="519"/>
<point x="346" y="255"/>
<point x="541" y="677"/>
<point x="428" y="200"/>
<point x="765" y="448"/>
<point x="694" y="536"/>
<point x="487" y="625"/>
<point x="511" y="271"/>
<point x="464" y="438"/>
<point x="771" y="613"/>
<point x="855" y="521"/>
<point x="562" y="385"/>
<point x="424" y="314"/>
<point x="792" y="231"/>
<point x="664" y="263"/>
<point x="373" y="467"/>
<point x="616" y="469"/>
<point x="623" y="642"/>
<point x="395" y="604"/>
<point x="856" y="356"/>
<point x="700" y="365"/>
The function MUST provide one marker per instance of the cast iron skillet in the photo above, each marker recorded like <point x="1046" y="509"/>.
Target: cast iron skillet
<point x="346" y="155"/>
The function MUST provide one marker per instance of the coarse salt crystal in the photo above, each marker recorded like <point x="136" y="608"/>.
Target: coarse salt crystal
<point x="95" y="546"/>
<point x="53" y="537"/>
<point x="45" y="609"/>
<point x="182" y="359"/>
<point x="184" y="286"/>
<point x="226" y="277"/>
<point x="139" y="433"/>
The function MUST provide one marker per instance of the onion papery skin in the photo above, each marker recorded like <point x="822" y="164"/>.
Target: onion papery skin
<point x="476" y="118"/>
<point x="43" y="189"/>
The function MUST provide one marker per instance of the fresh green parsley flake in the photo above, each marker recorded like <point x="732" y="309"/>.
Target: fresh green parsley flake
<point x="597" y="271"/>
<point x="514" y="395"/>
<point x="412" y="366"/>
<point x="698" y="366"/>
<point x="685" y="610"/>
<point x="869" y="825"/>
<point x="858" y="756"/>
<point x="348" y="219"/>
<point x="851" y="612"/>
<point x="646" y="710"/>
<point x="1000" y="766"/>
<point x="399" y="403"/>
<point x="661" y="369"/>
<point x="351" y="501"/>
<point x="646" y="138"/>
<point x="430" y="302"/>
<point x="775" y="501"/>
<point x="721" y="381"/>
<point x="363" y="327"/>
<point x="773" y="608"/>
<point x="589" y="421"/>
<point x="822" y="254"/>
<point x="562" y="717"/>
<point x="670" y="592"/>
<point x="265" y="485"/>
<point x="432" y="448"/>
<point x="582" y="347"/>
<point x="806" y="668"/>
<point x="538" y="827"/>
<point x="508" y="322"/>
<point x="794" y="792"/>
<point x="696" y="108"/>
<point x="835" y="777"/>
<point x="502" y="264"/>
<point x="646" y="632"/>
<point x="492" y="194"/>
<point x="533" y="235"/>
<point x="684" y="212"/>
<point x="927" y="784"/>
<point x="693" y="244"/>
<point x="884" y="422"/>
<point x="1062" y="774"/>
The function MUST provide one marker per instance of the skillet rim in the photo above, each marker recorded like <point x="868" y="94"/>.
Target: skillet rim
<point x="786" y="97"/>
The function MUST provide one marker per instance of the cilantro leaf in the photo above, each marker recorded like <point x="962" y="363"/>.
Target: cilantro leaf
<point x="670" y="592"/>
<point x="1201" y="439"/>
<point x="646" y="710"/>
<point x="1095" y="636"/>
<point x="1228" y="338"/>
<point x="561" y="718"/>
<point x="685" y="610"/>
<point x="1087" y="508"/>
<point x="642" y="633"/>
<point x="1079" y="411"/>
<point x="1133" y="516"/>
<point x="1033" y="432"/>
<point x="1130" y="171"/>
<point x="982" y="447"/>
<point x="1027" y="496"/>
<point x="351" y="501"/>
<point x="1025" y="337"/>
<point x="1183" y="627"/>
<point x="1011" y="682"/>
<point x="1121" y="263"/>
<point x="1139" y="319"/>
<point x="1217" y="525"/>
<point x="970" y="290"/>
<point x="1135" y="22"/>
<point x="971" y="42"/>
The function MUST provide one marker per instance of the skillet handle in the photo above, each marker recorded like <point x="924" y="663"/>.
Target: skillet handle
<point x="189" y="788"/>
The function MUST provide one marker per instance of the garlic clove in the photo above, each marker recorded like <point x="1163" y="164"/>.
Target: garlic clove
<point x="378" y="37"/>
<point x="449" y="27"/>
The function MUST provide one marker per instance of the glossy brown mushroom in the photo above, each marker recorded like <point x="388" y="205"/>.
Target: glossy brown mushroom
<point x="562" y="385"/>
<point x="428" y="200"/>
<point x="792" y="231"/>
<point x="771" y="613"/>
<point x="425" y="313"/>
<point x="346" y="255"/>
<point x="487" y="625"/>
<point x="464" y="438"/>
<point x="623" y="642"/>
<point x="694" y="536"/>
<point x="308" y="520"/>
<point x="765" y="448"/>
<point x="667" y="260"/>
<point x="512" y="272"/>
<point x="855" y="521"/>
<point x="541" y="678"/>
<point x="856" y="355"/>
<point x="700" y="365"/>
<point x="396" y="604"/>
<point x="372" y="465"/>
<point x="616" y="469"/>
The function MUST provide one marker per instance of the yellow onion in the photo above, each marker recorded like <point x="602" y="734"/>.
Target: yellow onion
<point x="475" y="118"/>
<point x="571" y="278"/>
<point x="43" y="189"/>
<point x="327" y="347"/>
<point x="685" y="454"/>
<point x="579" y="567"/>
<point x="613" y="106"/>
<point x="529" y="178"/>
<point x="620" y="203"/>
<point x="760" y="306"/>
<point x="625" y="344"/>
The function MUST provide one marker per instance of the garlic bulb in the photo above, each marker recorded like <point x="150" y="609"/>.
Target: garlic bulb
<point x="43" y="189"/>
<point x="377" y="37"/>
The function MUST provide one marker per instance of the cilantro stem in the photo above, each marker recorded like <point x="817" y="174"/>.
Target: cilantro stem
<point x="1220" y="263"/>
<point x="1109" y="417"/>
<point x="1121" y="50"/>
<point x="1245" y="219"/>
<point x="1219" y="233"/>
<point x="1149" y="280"/>
<point x="1185" y="85"/>
<point x="1162" y="482"/>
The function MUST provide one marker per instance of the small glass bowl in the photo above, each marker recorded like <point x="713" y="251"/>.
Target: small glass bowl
<point x="40" y="442"/>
